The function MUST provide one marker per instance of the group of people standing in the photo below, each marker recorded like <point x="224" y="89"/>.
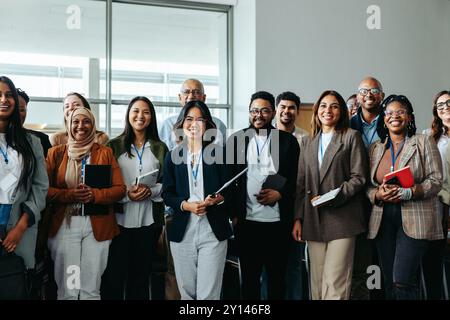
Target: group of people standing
<point x="280" y="170"/>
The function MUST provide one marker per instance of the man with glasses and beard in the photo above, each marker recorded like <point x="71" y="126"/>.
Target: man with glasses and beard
<point x="264" y="202"/>
<point x="369" y="121"/>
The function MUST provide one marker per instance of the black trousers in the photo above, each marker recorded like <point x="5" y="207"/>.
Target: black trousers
<point x="129" y="265"/>
<point x="263" y="244"/>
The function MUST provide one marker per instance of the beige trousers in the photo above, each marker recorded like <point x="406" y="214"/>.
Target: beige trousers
<point x="331" y="268"/>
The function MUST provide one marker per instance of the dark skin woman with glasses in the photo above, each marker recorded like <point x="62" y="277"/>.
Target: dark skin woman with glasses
<point x="432" y="262"/>
<point x="403" y="220"/>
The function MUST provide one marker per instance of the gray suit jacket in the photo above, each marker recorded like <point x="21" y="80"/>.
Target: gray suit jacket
<point x="32" y="201"/>
<point x="344" y="165"/>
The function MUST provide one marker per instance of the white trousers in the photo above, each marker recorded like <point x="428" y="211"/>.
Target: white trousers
<point x="199" y="261"/>
<point x="79" y="259"/>
<point x="331" y="268"/>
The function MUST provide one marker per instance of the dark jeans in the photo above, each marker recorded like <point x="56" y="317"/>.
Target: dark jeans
<point x="400" y="256"/>
<point x="263" y="244"/>
<point x="129" y="265"/>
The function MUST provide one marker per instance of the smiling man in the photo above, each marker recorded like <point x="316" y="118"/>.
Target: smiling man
<point x="264" y="211"/>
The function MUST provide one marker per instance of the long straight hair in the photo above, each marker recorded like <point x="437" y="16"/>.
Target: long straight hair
<point x="437" y="126"/>
<point x="16" y="135"/>
<point x="151" y="132"/>
<point x="343" y="122"/>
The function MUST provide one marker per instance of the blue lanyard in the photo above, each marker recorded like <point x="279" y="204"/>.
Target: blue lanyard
<point x="369" y="142"/>
<point x="394" y="157"/>
<point x="262" y="148"/>
<point x="140" y="155"/>
<point x="195" y="169"/>
<point x="5" y="154"/>
<point x="83" y="165"/>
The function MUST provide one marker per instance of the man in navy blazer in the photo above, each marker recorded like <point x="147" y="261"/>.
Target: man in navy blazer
<point x="263" y="215"/>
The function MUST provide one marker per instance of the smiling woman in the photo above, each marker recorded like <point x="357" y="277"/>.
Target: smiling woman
<point x="75" y="238"/>
<point x="403" y="220"/>
<point x="23" y="182"/>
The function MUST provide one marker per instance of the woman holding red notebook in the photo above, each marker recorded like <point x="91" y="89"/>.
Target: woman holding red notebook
<point x="403" y="220"/>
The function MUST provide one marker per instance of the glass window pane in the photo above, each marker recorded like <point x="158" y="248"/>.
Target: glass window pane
<point x="156" y="48"/>
<point x="54" y="46"/>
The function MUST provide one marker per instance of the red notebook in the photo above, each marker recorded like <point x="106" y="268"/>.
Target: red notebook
<point x="404" y="177"/>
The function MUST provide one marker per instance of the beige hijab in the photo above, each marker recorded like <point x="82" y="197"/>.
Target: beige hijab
<point x="77" y="150"/>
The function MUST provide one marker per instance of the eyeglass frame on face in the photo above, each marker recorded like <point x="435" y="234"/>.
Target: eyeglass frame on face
<point x="366" y="90"/>
<point x="399" y="112"/>
<point x="195" y="92"/>
<point x="190" y="120"/>
<point x="441" y="105"/>
<point x="260" y="111"/>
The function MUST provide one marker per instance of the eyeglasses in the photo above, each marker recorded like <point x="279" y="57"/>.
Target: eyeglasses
<point x="399" y="112"/>
<point x="195" y="92"/>
<point x="365" y="91"/>
<point x="189" y="120"/>
<point x="262" y="111"/>
<point x="441" y="105"/>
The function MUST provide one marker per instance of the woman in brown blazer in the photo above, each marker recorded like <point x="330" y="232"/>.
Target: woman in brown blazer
<point x="334" y="157"/>
<point x="403" y="219"/>
<point x="78" y="243"/>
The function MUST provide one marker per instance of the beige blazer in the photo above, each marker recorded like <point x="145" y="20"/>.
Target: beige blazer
<point x="419" y="216"/>
<point x="344" y="165"/>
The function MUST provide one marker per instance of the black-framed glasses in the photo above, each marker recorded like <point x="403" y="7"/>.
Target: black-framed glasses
<point x="441" y="105"/>
<point x="365" y="91"/>
<point x="195" y="92"/>
<point x="263" y="111"/>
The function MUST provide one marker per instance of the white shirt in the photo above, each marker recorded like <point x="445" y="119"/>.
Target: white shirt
<point x="323" y="145"/>
<point x="9" y="173"/>
<point x="196" y="187"/>
<point x="138" y="213"/>
<point x="256" y="175"/>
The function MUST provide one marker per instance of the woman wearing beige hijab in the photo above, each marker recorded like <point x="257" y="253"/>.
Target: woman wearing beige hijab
<point x="79" y="244"/>
<point x="72" y="101"/>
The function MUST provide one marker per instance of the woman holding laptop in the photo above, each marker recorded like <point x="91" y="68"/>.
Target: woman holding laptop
<point x="140" y="214"/>
<point x="403" y="218"/>
<point x="193" y="171"/>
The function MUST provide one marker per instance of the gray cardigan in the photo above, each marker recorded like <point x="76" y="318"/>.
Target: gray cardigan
<point x="32" y="201"/>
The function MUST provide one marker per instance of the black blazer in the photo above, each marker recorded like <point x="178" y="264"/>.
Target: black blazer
<point x="286" y="164"/>
<point x="176" y="190"/>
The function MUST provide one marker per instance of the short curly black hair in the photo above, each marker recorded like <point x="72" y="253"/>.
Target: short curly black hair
<point x="23" y="94"/>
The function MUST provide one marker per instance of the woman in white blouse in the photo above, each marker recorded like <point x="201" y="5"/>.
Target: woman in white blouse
<point x="140" y="214"/>
<point x="23" y="181"/>
<point x="432" y="261"/>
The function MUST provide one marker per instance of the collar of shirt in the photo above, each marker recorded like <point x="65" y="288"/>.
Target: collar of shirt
<point x="371" y="125"/>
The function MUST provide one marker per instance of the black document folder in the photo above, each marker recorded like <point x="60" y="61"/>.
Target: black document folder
<point x="97" y="176"/>
<point x="275" y="182"/>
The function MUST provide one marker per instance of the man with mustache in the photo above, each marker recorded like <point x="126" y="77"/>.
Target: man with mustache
<point x="369" y="121"/>
<point x="264" y="213"/>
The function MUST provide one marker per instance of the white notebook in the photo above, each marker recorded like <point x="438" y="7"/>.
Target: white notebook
<point x="148" y="178"/>
<point x="326" y="197"/>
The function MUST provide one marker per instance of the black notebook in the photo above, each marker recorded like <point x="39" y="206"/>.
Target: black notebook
<point x="97" y="176"/>
<point x="275" y="182"/>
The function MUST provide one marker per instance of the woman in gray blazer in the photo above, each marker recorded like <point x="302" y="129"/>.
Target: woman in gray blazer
<point x="23" y="180"/>
<point x="334" y="157"/>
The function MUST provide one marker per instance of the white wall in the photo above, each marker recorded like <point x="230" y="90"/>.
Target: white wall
<point x="309" y="46"/>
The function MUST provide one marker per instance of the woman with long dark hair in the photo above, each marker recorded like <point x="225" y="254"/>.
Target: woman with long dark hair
<point x="200" y="226"/>
<point x="140" y="213"/>
<point x="403" y="219"/>
<point x="334" y="157"/>
<point x="433" y="260"/>
<point x="23" y="182"/>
